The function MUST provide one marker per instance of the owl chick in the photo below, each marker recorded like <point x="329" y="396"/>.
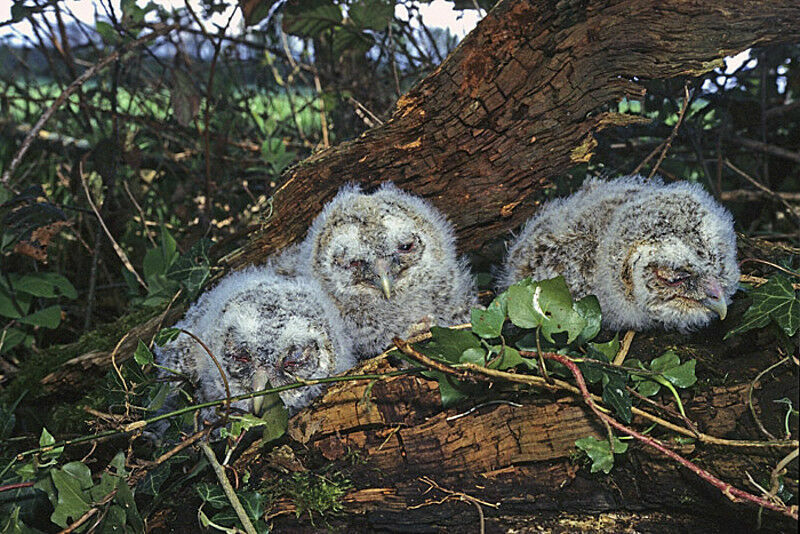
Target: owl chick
<point x="655" y="255"/>
<point x="262" y="328"/>
<point x="389" y="263"/>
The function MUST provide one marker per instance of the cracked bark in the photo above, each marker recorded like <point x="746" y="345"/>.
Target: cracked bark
<point x="518" y="103"/>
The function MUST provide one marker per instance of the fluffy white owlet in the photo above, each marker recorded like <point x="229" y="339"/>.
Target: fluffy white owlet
<point x="389" y="263"/>
<point x="262" y="328"/>
<point x="655" y="255"/>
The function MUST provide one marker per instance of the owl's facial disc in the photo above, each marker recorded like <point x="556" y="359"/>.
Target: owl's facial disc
<point x="685" y="289"/>
<point x="380" y="270"/>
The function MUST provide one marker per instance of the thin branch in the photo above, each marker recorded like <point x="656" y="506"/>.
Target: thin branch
<point x="120" y="253"/>
<point x="74" y="86"/>
<point x="228" y="489"/>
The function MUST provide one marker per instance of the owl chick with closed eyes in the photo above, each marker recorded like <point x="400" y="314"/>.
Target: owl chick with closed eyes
<point x="655" y="255"/>
<point x="389" y="263"/>
<point x="262" y="328"/>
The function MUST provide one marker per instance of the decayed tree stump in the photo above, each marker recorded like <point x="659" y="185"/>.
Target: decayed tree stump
<point x="423" y="468"/>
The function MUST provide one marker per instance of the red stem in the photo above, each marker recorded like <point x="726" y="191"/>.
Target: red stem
<point x="732" y="493"/>
<point x="18" y="485"/>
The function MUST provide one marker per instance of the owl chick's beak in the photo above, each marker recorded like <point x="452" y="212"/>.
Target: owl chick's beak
<point x="715" y="299"/>
<point x="260" y="381"/>
<point x="381" y="271"/>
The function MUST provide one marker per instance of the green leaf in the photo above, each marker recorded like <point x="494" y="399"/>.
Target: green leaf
<point x="45" y="440"/>
<point x="49" y="317"/>
<point x="776" y="300"/>
<point x="253" y="503"/>
<point x="11" y="337"/>
<point x="615" y="394"/>
<point x="371" y="14"/>
<point x="275" y="417"/>
<point x="106" y="31"/>
<point x="212" y="494"/>
<point x="142" y="354"/>
<point x="46" y="285"/>
<point x="600" y="452"/>
<point x="520" y="306"/>
<point x="682" y="376"/>
<point x="192" y="270"/>
<point x="449" y="344"/>
<point x="668" y="360"/>
<point x="605" y="352"/>
<point x="71" y="483"/>
<point x="508" y="358"/>
<point x="648" y="388"/>
<point x="158" y="399"/>
<point x="311" y="20"/>
<point x="450" y="390"/>
<point x="552" y="298"/>
<point x="7" y="308"/>
<point x="589" y="309"/>
<point x="166" y="335"/>
<point x="488" y="323"/>
<point x="473" y="355"/>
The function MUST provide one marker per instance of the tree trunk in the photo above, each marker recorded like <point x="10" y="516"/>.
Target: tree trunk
<point x="518" y="103"/>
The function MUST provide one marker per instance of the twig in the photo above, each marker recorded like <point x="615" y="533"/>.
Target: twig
<point x="731" y="492"/>
<point x="624" y="348"/>
<point x="479" y="406"/>
<point x="228" y="489"/>
<point x="74" y="86"/>
<point x="89" y="513"/>
<point x="750" y="396"/>
<point x="120" y="253"/>
<point x="765" y="189"/>
<point x="758" y="281"/>
<point x="219" y="368"/>
<point x="559" y="385"/>
<point x="668" y="142"/>
<point x="773" y="265"/>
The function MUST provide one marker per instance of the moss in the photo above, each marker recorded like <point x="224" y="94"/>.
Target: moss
<point x="37" y="365"/>
<point x="316" y="495"/>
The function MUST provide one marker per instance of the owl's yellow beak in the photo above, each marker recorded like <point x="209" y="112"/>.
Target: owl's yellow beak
<point x="260" y="381"/>
<point x="381" y="271"/>
<point x="715" y="299"/>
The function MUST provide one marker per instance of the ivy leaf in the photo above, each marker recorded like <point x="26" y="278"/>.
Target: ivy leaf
<point x="275" y="417"/>
<point x="615" y="394"/>
<point x="71" y="482"/>
<point x="192" y="269"/>
<point x="142" y="354"/>
<point x="600" y="452"/>
<point x="776" y="300"/>
<point x="589" y="309"/>
<point x="449" y="344"/>
<point x="212" y="494"/>
<point x="488" y="323"/>
<point x="166" y="335"/>
<point x="682" y="376"/>
<point x="253" y="503"/>
<point x="605" y="351"/>
<point x="45" y="440"/>
<point x="508" y="358"/>
<point x="520" y="306"/>
<point x="552" y="297"/>
<point x="473" y="355"/>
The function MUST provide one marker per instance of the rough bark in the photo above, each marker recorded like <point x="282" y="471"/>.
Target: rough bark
<point x="421" y="469"/>
<point x="518" y="103"/>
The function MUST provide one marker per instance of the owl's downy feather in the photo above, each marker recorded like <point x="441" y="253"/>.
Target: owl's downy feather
<point x="655" y="255"/>
<point x="389" y="263"/>
<point x="261" y="327"/>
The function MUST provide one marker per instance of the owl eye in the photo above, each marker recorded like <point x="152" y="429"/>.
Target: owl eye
<point x="296" y="359"/>
<point x="674" y="278"/>
<point x="241" y="355"/>
<point x="406" y="247"/>
<point x="356" y="264"/>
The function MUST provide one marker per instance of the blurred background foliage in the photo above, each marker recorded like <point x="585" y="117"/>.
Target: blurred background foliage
<point x="165" y="160"/>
